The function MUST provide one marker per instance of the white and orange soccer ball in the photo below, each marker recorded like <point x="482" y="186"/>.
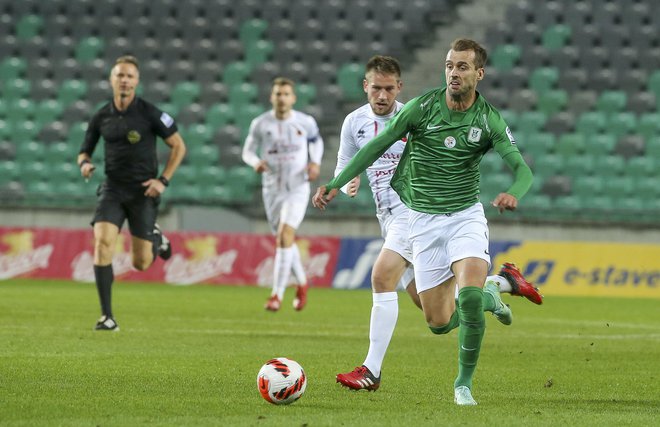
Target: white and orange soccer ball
<point x="281" y="381"/>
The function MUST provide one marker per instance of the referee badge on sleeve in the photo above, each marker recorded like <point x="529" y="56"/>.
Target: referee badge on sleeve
<point x="166" y="119"/>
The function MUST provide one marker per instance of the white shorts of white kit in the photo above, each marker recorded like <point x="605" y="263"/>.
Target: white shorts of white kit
<point x="439" y="240"/>
<point x="287" y="207"/>
<point x="394" y="228"/>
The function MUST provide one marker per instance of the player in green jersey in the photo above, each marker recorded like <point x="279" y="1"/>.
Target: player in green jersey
<point x="448" y="131"/>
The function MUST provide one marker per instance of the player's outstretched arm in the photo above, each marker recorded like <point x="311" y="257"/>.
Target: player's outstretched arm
<point x="323" y="197"/>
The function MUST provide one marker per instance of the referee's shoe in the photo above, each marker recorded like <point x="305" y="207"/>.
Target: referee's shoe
<point x="165" y="248"/>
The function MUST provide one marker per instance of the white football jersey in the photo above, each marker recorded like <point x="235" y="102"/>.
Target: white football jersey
<point x="286" y="145"/>
<point x="360" y="127"/>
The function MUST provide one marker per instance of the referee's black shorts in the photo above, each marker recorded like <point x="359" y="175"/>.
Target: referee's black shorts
<point x="119" y="202"/>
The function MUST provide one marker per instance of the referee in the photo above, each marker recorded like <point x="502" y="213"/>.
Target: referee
<point x="131" y="191"/>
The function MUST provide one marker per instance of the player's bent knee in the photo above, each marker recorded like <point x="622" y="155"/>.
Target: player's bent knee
<point x="141" y="264"/>
<point x="441" y="330"/>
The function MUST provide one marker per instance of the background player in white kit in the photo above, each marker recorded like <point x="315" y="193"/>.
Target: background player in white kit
<point x="382" y="84"/>
<point x="285" y="146"/>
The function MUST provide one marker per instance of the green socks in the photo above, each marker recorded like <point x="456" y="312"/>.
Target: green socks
<point x="470" y="333"/>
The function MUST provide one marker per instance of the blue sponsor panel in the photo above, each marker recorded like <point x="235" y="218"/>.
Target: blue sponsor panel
<point x="355" y="262"/>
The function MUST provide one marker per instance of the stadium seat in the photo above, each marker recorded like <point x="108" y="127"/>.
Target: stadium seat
<point x="185" y="93"/>
<point x="537" y="144"/>
<point x="552" y="101"/>
<point x="543" y="79"/>
<point x="548" y="165"/>
<point x="620" y="124"/>
<point x="258" y="52"/>
<point x="236" y="73"/>
<point x="570" y="144"/>
<point x="569" y="203"/>
<point x="20" y="111"/>
<point x="556" y="186"/>
<point x="648" y="125"/>
<point x="15" y="89"/>
<point x="612" y="101"/>
<point x="505" y="57"/>
<point x="71" y="90"/>
<point x="556" y="36"/>
<point x="579" y="165"/>
<point x="630" y="146"/>
<point x="531" y="121"/>
<point x="305" y="94"/>
<point x="349" y="79"/>
<point x="89" y="49"/>
<point x="610" y="166"/>
<point x="584" y="186"/>
<point x="242" y="93"/>
<point x="12" y="68"/>
<point x="29" y="26"/>
<point x="591" y="123"/>
<point x="252" y="31"/>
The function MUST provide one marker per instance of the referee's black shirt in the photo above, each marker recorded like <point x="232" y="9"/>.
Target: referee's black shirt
<point x="130" y="139"/>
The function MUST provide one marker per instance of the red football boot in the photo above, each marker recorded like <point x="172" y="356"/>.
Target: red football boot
<point x="273" y="303"/>
<point x="359" y="378"/>
<point x="300" y="301"/>
<point x="520" y="286"/>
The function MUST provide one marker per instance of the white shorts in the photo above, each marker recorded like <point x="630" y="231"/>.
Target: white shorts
<point x="439" y="240"/>
<point x="286" y="207"/>
<point x="394" y="228"/>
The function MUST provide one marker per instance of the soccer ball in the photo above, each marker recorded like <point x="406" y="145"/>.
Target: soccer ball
<point x="281" y="381"/>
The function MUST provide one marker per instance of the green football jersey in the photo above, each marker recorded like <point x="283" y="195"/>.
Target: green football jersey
<point x="439" y="170"/>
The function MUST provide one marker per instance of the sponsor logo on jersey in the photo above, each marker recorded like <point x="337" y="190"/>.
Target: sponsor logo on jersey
<point x="133" y="136"/>
<point x="474" y="135"/>
<point x="510" y="135"/>
<point x="433" y="127"/>
<point x="450" y="142"/>
<point x="166" y="119"/>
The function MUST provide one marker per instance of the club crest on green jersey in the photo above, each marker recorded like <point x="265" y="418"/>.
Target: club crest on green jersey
<point x="450" y="142"/>
<point x="474" y="134"/>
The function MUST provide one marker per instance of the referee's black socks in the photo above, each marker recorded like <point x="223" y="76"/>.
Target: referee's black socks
<point x="104" y="278"/>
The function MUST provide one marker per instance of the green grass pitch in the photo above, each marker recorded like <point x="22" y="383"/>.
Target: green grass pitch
<point x="189" y="356"/>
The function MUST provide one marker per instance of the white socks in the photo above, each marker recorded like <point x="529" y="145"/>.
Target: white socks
<point x="505" y="286"/>
<point x="282" y="271"/>
<point x="384" y="313"/>
<point x="296" y="264"/>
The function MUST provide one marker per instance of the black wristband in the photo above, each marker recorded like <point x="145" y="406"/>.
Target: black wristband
<point x="83" y="163"/>
<point x="165" y="181"/>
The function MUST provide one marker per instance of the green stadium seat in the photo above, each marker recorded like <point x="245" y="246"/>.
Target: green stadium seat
<point x="29" y="26"/>
<point x="76" y="135"/>
<point x="570" y="144"/>
<point x="184" y="94"/>
<point x="62" y="152"/>
<point x="20" y="111"/>
<point x="647" y="186"/>
<point x="620" y="124"/>
<point x="258" y="52"/>
<point x="212" y="175"/>
<point x="198" y="134"/>
<point x="47" y="111"/>
<point x="653" y="147"/>
<point x="236" y="73"/>
<point x="548" y="165"/>
<point x="170" y="108"/>
<point x="305" y="95"/>
<point x="598" y="205"/>
<point x="242" y="94"/>
<point x="591" y="123"/>
<point x="15" y="89"/>
<point x="552" y="101"/>
<point x="654" y="83"/>
<point x="505" y="56"/>
<point x="71" y="91"/>
<point x="578" y="166"/>
<point x="537" y="144"/>
<point x="648" y="125"/>
<point x="349" y="78"/>
<point x="89" y="49"/>
<point x="252" y="31"/>
<point x="9" y="171"/>
<point x="538" y="202"/>
<point x="511" y="118"/>
<point x="612" y="101"/>
<point x="531" y="121"/>
<point x="64" y="172"/>
<point x="610" y="166"/>
<point x="600" y="144"/>
<point x="24" y="133"/>
<point x="202" y="155"/>
<point x="643" y="166"/>
<point x="490" y="163"/>
<point x="556" y="36"/>
<point x="245" y="114"/>
<point x="543" y="79"/>
<point x="12" y="68"/>
<point x="571" y="203"/>
<point x="495" y="183"/>
<point x="219" y="115"/>
<point x="584" y="186"/>
<point x="623" y="186"/>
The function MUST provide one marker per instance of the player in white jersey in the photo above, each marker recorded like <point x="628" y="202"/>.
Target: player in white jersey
<point x="284" y="145"/>
<point x="382" y="84"/>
